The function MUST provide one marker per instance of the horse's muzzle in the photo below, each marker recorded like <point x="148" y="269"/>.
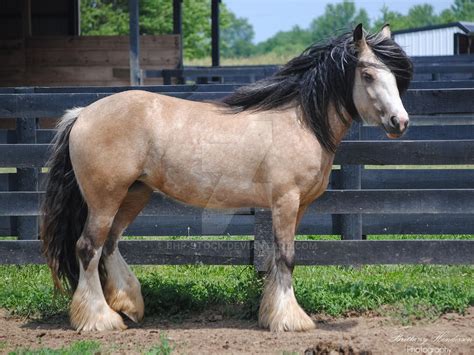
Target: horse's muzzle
<point x="397" y="126"/>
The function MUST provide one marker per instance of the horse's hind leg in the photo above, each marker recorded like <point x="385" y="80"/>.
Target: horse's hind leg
<point x="121" y="288"/>
<point x="279" y="309"/>
<point x="89" y="310"/>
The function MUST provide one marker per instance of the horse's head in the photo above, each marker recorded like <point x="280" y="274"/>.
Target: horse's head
<point x="382" y="73"/>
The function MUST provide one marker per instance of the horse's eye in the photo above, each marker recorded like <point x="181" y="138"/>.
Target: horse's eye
<point x="368" y="77"/>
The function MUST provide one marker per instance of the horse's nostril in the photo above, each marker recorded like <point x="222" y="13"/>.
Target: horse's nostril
<point x="405" y="124"/>
<point x="395" y="122"/>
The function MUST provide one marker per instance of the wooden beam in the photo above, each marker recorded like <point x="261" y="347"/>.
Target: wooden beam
<point x="263" y="238"/>
<point x="26" y="18"/>
<point x="351" y="178"/>
<point x="134" y="42"/>
<point x="449" y="201"/>
<point x="324" y="252"/>
<point x="417" y="102"/>
<point x="178" y="27"/>
<point x="349" y="152"/>
<point x="26" y="179"/>
<point x="215" y="33"/>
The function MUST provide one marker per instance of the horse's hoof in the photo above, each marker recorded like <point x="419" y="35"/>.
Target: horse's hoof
<point x="299" y="322"/>
<point x="134" y="316"/>
<point x="122" y="289"/>
<point x="84" y="318"/>
<point x="127" y="302"/>
<point x="280" y="312"/>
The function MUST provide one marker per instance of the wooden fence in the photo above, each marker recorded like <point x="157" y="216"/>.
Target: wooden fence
<point x="82" y="60"/>
<point x="426" y="69"/>
<point x="360" y="200"/>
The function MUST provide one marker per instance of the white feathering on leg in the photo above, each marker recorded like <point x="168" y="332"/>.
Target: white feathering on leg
<point x="279" y="309"/>
<point x="89" y="311"/>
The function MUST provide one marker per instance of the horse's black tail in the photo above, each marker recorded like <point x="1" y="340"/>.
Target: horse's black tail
<point x="63" y="211"/>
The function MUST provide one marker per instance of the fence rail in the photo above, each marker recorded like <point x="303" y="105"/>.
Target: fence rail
<point x="432" y="68"/>
<point x="359" y="201"/>
<point x="349" y="152"/>
<point x="240" y="252"/>
<point x="42" y="104"/>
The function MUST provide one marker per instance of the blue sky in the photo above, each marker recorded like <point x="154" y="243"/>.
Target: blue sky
<point x="270" y="16"/>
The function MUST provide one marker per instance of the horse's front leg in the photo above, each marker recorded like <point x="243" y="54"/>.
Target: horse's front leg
<point x="279" y="310"/>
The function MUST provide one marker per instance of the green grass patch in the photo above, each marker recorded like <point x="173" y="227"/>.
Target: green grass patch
<point x="27" y="291"/>
<point x="193" y="237"/>
<point x="3" y="344"/>
<point x="419" y="290"/>
<point x="92" y="347"/>
<point x="267" y="58"/>
<point x="421" y="237"/>
<point x="163" y="348"/>
<point x="404" y="291"/>
<point x="82" y="347"/>
<point x="420" y="167"/>
<point x="175" y="291"/>
<point x="408" y="291"/>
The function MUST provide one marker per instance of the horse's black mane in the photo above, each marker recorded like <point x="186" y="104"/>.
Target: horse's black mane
<point x="322" y="74"/>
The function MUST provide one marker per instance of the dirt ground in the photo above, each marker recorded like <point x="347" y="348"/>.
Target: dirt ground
<point x="211" y="334"/>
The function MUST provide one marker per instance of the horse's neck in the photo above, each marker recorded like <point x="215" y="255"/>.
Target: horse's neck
<point x="339" y="128"/>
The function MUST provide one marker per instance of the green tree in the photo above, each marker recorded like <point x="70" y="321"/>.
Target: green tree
<point x="461" y="10"/>
<point x="337" y="18"/>
<point x="237" y="37"/>
<point x="424" y="15"/>
<point x="396" y="20"/>
<point x="284" y="42"/>
<point x="102" y="17"/>
<point x="110" y="17"/>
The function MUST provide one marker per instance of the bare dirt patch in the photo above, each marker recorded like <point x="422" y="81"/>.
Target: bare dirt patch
<point x="213" y="334"/>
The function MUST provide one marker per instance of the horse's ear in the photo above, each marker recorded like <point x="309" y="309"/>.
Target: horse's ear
<point x="385" y="31"/>
<point x="359" y="37"/>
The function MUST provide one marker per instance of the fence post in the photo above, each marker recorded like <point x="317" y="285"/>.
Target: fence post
<point x="351" y="224"/>
<point x="26" y="178"/>
<point x="134" y="38"/>
<point x="263" y="240"/>
<point x="215" y="33"/>
<point x="178" y="27"/>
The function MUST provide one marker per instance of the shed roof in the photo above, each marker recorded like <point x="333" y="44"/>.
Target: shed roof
<point x="466" y="27"/>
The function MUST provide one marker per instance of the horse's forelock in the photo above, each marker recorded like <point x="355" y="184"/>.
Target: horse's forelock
<point x="394" y="58"/>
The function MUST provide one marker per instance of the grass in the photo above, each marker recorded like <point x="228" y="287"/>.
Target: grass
<point x="82" y="347"/>
<point x="420" y="167"/>
<point x="405" y="291"/>
<point x="163" y="348"/>
<point x="264" y="59"/>
<point x="92" y="347"/>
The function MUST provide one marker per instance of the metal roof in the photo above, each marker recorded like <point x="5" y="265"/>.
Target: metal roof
<point x="466" y="27"/>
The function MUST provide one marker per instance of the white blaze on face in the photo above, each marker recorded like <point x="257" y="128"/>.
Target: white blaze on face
<point x="376" y="96"/>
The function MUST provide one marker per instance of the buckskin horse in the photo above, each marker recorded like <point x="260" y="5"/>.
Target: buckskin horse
<point x="270" y="144"/>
